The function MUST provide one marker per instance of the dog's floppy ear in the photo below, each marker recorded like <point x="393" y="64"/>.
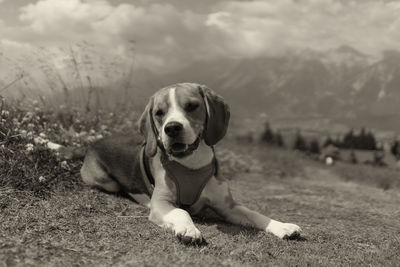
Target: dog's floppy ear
<point x="147" y="129"/>
<point x="218" y="115"/>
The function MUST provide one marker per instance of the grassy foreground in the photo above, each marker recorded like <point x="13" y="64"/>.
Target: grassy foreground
<point x="349" y="214"/>
<point x="344" y="223"/>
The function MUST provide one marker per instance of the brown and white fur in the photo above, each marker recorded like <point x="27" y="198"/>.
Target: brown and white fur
<point x="198" y="111"/>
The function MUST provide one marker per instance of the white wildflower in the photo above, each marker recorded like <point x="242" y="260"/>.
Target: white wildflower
<point x="29" y="147"/>
<point x="39" y="140"/>
<point x="64" y="165"/>
<point x="23" y="133"/>
<point x="42" y="179"/>
<point x="5" y="113"/>
<point x="90" y="139"/>
<point x="53" y="146"/>
<point x="83" y="133"/>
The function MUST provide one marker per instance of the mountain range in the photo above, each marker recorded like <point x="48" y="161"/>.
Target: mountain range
<point x="342" y="85"/>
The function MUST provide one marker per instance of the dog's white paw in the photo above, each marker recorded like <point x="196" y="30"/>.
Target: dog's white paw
<point x="283" y="230"/>
<point x="188" y="234"/>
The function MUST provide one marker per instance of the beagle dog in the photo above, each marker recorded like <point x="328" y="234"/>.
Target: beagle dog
<point x="174" y="171"/>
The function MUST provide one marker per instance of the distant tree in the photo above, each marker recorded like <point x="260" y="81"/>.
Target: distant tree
<point x="348" y="140"/>
<point x="370" y="141"/>
<point x="314" y="147"/>
<point x="395" y="149"/>
<point x="279" y="140"/>
<point x="338" y="142"/>
<point x="268" y="134"/>
<point x="328" y="142"/>
<point x="361" y="140"/>
<point x="300" y="143"/>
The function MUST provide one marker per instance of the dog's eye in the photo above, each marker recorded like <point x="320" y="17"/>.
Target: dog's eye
<point x="160" y="113"/>
<point x="190" y="107"/>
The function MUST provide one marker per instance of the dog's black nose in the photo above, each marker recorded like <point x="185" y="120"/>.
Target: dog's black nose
<point x="173" y="128"/>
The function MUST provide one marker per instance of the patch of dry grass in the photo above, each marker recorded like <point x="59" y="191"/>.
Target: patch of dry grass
<point x="381" y="177"/>
<point x="59" y="221"/>
<point x="344" y="224"/>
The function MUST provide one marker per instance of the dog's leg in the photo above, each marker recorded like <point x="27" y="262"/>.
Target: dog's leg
<point x="222" y="202"/>
<point x="166" y="215"/>
<point x="93" y="174"/>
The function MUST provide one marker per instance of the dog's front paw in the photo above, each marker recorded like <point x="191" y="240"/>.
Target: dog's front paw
<point x="283" y="230"/>
<point x="189" y="234"/>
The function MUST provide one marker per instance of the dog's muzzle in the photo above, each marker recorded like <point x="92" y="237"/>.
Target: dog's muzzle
<point x="180" y="150"/>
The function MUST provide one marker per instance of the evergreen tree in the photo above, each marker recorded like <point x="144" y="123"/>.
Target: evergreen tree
<point x="395" y="149"/>
<point x="348" y="140"/>
<point x="328" y="142"/>
<point x="370" y="141"/>
<point x="361" y="140"/>
<point x="279" y="140"/>
<point x="338" y="142"/>
<point x="314" y="146"/>
<point x="300" y="143"/>
<point x="268" y="135"/>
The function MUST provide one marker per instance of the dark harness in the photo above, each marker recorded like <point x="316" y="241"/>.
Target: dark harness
<point x="189" y="182"/>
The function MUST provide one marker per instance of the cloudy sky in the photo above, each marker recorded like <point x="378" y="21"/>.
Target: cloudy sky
<point x="170" y="34"/>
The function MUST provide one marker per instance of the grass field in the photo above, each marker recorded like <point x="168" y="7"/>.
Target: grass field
<point x="349" y="213"/>
<point x="58" y="221"/>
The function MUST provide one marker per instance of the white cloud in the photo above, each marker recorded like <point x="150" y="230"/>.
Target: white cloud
<point x="162" y="32"/>
<point x="64" y="18"/>
<point x="263" y="27"/>
<point x="166" y="34"/>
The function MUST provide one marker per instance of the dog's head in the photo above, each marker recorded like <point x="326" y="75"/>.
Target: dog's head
<point x="179" y="116"/>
